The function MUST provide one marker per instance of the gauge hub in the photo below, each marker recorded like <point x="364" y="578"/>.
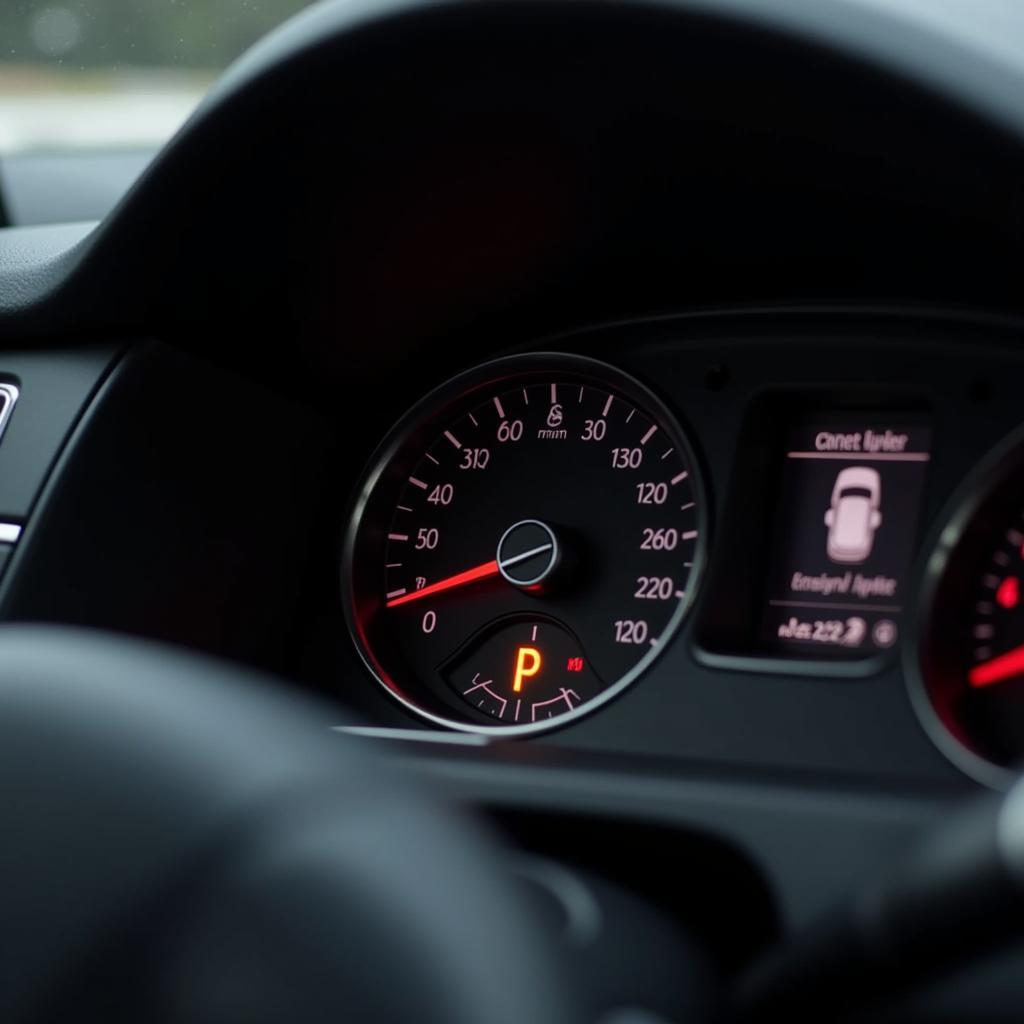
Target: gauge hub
<point x="528" y="553"/>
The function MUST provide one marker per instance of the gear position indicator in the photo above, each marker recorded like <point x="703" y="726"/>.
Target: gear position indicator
<point x="846" y="532"/>
<point x="519" y="671"/>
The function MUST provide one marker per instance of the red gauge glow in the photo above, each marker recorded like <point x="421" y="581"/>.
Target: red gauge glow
<point x="972" y="651"/>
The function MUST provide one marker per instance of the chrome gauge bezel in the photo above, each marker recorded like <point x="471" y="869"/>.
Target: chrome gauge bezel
<point x="439" y="406"/>
<point x="982" y="490"/>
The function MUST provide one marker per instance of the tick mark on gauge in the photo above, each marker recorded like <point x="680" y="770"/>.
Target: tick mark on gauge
<point x="689" y="504"/>
<point x="417" y="483"/>
<point x="667" y="454"/>
<point x="630" y="416"/>
<point x="473" y="420"/>
<point x="499" y="407"/>
<point x="454" y="440"/>
<point x="526" y="397"/>
<point x="689" y="535"/>
<point x="396" y="593"/>
<point x="1001" y="558"/>
<point x="393" y="565"/>
<point x="554" y="394"/>
<point x="679" y="478"/>
<point x="580" y="399"/>
<point x="991" y="581"/>
<point x="650" y="433"/>
<point x="398" y="536"/>
<point x="404" y="508"/>
<point x="607" y="405"/>
<point x="432" y="459"/>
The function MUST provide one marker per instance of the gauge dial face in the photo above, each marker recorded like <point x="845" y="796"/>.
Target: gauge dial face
<point x="975" y="651"/>
<point x="992" y="702"/>
<point x="526" y="543"/>
<point x="969" y="685"/>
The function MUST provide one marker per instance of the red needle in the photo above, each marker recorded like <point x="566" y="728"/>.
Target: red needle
<point x="995" y="671"/>
<point x="480" y="572"/>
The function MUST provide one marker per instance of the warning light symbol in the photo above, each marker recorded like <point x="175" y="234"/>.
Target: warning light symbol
<point x="528" y="662"/>
<point x="574" y="665"/>
<point x="1008" y="594"/>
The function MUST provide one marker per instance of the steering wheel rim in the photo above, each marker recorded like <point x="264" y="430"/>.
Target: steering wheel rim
<point x="253" y="862"/>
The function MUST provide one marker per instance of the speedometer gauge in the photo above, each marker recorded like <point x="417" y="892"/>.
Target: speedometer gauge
<point x="968" y="684"/>
<point x="525" y="543"/>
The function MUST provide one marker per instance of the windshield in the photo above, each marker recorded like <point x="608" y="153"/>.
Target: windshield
<point x="116" y="73"/>
<point x="122" y="74"/>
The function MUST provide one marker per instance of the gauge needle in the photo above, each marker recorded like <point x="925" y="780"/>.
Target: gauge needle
<point x="1005" y="666"/>
<point x="479" y="572"/>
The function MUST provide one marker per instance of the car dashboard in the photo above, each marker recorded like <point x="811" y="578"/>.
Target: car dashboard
<point x="633" y="453"/>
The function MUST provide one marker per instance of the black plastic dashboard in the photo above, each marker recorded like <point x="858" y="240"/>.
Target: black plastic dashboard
<point x="170" y="525"/>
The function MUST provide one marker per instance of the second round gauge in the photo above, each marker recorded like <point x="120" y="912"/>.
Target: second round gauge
<point x="527" y="542"/>
<point x="967" y="680"/>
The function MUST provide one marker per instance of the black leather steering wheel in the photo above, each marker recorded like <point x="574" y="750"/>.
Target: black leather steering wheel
<point x="186" y="841"/>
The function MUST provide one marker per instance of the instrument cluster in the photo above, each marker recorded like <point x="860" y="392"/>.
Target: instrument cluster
<point x="534" y="534"/>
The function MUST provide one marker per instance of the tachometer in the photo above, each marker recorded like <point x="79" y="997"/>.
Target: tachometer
<point x="969" y="681"/>
<point x="524" y="544"/>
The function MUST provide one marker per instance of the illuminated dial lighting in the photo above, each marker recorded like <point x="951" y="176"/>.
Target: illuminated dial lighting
<point x="525" y="544"/>
<point x="968" y="683"/>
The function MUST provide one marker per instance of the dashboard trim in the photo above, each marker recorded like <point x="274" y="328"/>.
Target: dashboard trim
<point x="10" y="392"/>
<point x="9" y="533"/>
<point x="467" y="739"/>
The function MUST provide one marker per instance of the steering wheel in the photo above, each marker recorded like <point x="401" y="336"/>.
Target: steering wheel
<point x="184" y="840"/>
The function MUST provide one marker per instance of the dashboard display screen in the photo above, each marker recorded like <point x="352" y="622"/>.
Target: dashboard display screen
<point x="845" y="533"/>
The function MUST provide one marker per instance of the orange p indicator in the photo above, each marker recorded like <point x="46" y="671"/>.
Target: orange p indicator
<point x="528" y="662"/>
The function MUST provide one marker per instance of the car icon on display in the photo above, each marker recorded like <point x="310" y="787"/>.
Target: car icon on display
<point x="854" y="515"/>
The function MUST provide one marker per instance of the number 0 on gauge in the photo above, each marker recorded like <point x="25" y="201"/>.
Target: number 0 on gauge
<point x="524" y="545"/>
